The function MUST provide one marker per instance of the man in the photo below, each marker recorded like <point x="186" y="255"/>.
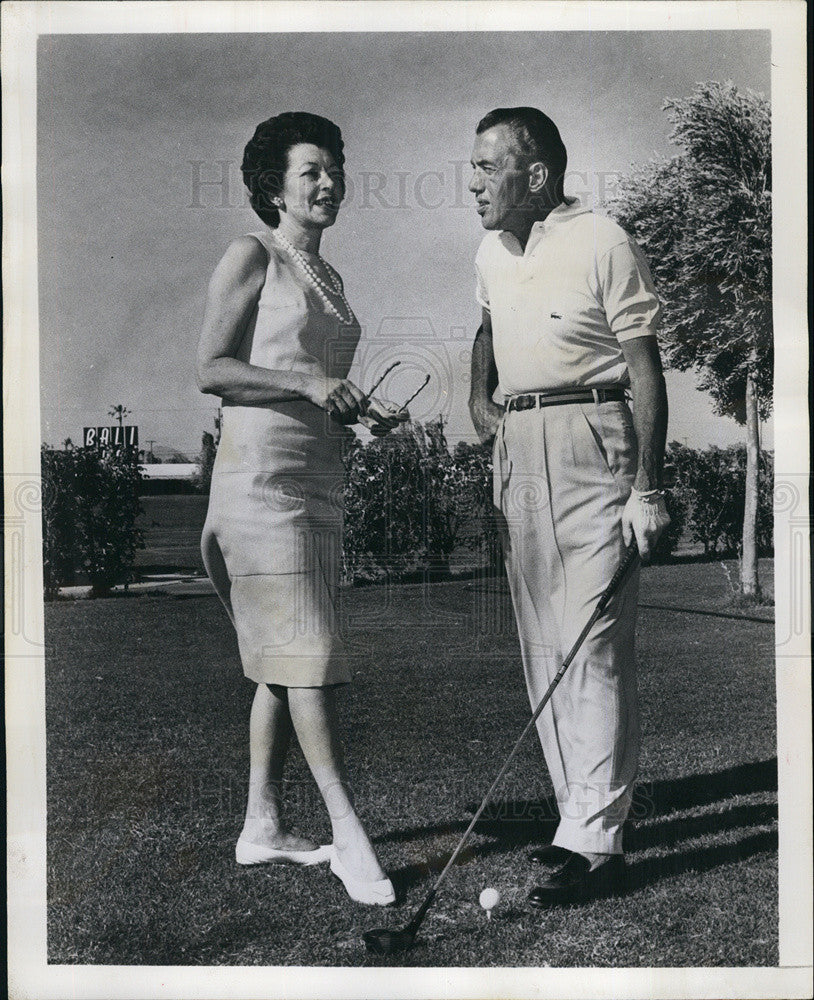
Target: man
<point x="569" y="326"/>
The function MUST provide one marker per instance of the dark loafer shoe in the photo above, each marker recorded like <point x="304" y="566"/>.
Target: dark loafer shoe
<point x="574" y="882"/>
<point x="550" y="856"/>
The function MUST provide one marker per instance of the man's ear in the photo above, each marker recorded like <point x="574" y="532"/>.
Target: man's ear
<point x="538" y="176"/>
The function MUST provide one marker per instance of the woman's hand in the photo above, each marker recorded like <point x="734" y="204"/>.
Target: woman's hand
<point x="344" y="401"/>
<point x="382" y="416"/>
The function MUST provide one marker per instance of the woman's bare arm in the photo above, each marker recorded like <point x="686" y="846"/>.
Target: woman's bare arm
<point x="233" y="294"/>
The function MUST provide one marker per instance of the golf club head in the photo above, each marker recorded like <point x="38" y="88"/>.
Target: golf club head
<point x="385" y="941"/>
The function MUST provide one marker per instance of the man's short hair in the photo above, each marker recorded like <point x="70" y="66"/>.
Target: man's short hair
<point x="536" y="136"/>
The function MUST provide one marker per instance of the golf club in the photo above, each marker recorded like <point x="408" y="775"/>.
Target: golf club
<point x="384" y="941"/>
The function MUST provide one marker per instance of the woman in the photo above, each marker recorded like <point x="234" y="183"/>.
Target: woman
<point x="277" y="342"/>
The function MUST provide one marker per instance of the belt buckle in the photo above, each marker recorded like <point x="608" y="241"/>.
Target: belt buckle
<point x="606" y="393"/>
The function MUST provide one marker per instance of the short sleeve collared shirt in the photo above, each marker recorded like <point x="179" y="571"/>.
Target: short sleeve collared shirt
<point x="561" y="309"/>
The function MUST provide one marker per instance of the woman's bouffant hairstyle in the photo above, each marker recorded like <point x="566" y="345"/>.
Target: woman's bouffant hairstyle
<point x="265" y="158"/>
<point x="537" y="137"/>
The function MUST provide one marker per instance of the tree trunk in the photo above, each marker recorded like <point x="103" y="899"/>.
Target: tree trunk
<point x="750" y="586"/>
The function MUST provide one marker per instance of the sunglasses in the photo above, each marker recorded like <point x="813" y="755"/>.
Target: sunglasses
<point x="386" y="372"/>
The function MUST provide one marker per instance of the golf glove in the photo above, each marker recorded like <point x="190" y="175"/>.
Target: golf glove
<point x="645" y="517"/>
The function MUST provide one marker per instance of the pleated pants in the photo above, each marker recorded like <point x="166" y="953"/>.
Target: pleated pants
<point x="562" y="475"/>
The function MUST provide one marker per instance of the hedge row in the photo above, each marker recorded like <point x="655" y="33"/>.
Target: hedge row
<point x="709" y="491"/>
<point x="409" y="504"/>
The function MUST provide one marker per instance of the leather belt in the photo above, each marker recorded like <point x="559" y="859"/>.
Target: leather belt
<point x="558" y="397"/>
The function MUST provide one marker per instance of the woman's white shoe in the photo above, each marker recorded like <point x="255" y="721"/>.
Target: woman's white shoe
<point x="247" y="853"/>
<point x="379" y="893"/>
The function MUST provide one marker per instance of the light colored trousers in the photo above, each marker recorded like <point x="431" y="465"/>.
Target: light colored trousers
<point x="562" y="475"/>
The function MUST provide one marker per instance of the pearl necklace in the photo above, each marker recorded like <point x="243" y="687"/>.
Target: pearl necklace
<point x="319" y="285"/>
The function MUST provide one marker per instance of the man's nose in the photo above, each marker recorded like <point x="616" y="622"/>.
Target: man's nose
<point x="476" y="184"/>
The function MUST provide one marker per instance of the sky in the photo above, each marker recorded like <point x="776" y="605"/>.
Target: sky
<point x="132" y="127"/>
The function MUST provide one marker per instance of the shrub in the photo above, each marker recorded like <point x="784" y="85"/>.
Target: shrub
<point x="90" y="506"/>
<point x="677" y="507"/>
<point x="765" y="504"/>
<point x="711" y="485"/>
<point x="474" y="465"/>
<point x="403" y="507"/>
<point x="58" y="521"/>
<point x="202" y="479"/>
<point x="375" y="476"/>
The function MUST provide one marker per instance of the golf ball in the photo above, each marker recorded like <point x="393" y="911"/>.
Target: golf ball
<point x="489" y="899"/>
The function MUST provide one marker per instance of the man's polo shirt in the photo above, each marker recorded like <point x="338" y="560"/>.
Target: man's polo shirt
<point x="561" y="309"/>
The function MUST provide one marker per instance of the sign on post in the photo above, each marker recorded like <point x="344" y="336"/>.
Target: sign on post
<point x="111" y="437"/>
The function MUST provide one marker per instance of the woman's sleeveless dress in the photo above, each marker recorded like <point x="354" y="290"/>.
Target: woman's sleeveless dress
<point x="272" y="541"/>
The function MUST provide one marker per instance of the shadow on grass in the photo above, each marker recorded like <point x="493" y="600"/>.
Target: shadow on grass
<point x="529" y="823"/>
<point x="736" y="613"/>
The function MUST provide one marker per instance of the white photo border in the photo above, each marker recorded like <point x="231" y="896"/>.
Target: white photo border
<point x="29" y="973"/>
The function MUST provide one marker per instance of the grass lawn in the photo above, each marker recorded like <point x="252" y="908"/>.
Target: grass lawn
<point x="147" y="716"/>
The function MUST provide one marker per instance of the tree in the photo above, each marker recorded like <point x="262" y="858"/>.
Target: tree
<point x="703" y="218"/>
<point x="119" y="413"/>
